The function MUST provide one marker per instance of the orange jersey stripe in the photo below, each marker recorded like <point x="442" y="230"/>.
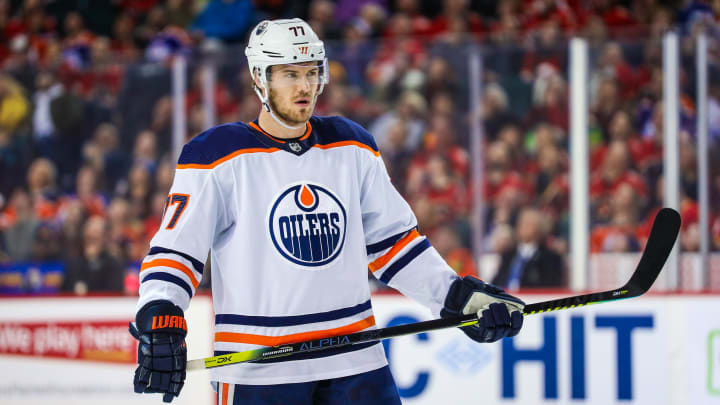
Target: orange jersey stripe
<point x="225" y="393"/>
<point x="308" y="130"/>
<point x="384" y="259"/>
<point x="174" y="265"/>
<point x="293" y="338"/>
<point x="226" y="158"/>
<point x="347" y="143"/>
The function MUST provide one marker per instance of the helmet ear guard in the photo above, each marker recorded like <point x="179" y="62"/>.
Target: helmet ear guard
<point x="262" y="93"/>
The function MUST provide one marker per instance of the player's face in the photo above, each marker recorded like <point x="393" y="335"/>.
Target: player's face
<point x="293" y="89"/>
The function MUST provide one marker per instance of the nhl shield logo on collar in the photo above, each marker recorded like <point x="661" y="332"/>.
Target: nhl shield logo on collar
<point x="307" y="225"/>
<point x="295" y="147"/>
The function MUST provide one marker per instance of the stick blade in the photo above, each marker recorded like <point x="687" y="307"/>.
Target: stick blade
<point x="662" y="238"/>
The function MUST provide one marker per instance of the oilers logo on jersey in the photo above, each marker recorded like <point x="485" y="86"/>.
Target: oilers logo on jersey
<point x="307" y="225"/>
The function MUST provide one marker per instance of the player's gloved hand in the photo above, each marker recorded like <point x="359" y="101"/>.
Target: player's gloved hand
<point x="500" y="313"/>
<point x="162" y="354"/>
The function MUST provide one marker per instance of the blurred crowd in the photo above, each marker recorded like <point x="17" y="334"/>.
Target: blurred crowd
<point x="86" y="119"/>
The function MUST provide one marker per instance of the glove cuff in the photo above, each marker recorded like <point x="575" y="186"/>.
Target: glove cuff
<point x="161" y="316"/>
<point x="455" y="298"/>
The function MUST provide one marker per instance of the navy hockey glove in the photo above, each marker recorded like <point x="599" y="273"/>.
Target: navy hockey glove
<point x="500" y="313"/>
<point x="162" y="355"/>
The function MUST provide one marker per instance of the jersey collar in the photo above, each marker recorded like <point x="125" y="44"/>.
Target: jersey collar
<point x="296" y="146"/>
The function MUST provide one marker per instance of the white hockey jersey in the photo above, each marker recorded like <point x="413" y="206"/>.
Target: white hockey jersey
<point x="292" y="227"/>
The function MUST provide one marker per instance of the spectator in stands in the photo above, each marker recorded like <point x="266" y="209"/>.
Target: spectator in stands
<point x="441" y="79"/>
<point x="399" y="59"/>
<point x="441" y="141"/>
<point x="46" y="246"/>
<point x="443" y="189"/>
<point x="355" y="53"/>
<point x="42" y="186"/>
<point x="550" y="101"/>
<point x="619" y="233"/>
<point x="161" y="122"/>
<point x="19" y="238"/>
<point x="155" y="22"/>
<point x="447" y="242"/>
<point x="502" y="239"/>
<point x="96" y="270"/>
<point x="605" y="103"/>
<point x="139" y="191"/>
<point x="228" y="20"/>
<point x="152" y="222"/>
<point x="47" y="88"/>
<point x="125" y="232"/>
<point x="621" y="128"/>
<point x="495" y="113"/>
<point x="546" y="54"/>
<point x="348" y="10"/>
<point x="69" y="115"/>
<point x="688" y="170"/>
<point x="511" y="136"/>
<point x="87" y="191"/>
<point x="499" y="174"/>
<point x="196" y="122"/>
<point x="14" y="108"/>
<point x="72" y="218"/>
<point x="321" y="17"/>
<point x="164" y="175"/>
<point x="552" y="185"/>
<point x="690" y="238"/>
<point x="506" y="29"/>
<point x="180" y="13"/>
<point x="75" y="28"/>
<point x="108" y="158"/>
<point x="531" y="264"/>
<point x="411" y="108"/>
<point x="145" y="151"/>
<point x="616" y="172"/>
<point x="123" y="41"/>
<point x="612" y="65"/>
<point x="396" y="153"/>
<point x="452" y="10"/>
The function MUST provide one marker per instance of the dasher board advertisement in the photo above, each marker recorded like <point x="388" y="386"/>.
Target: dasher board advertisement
<point x="79" y="351"/>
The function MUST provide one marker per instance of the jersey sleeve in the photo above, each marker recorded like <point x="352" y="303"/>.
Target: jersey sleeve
<point x="398" y="254"/>
<point x="194" y="215"/>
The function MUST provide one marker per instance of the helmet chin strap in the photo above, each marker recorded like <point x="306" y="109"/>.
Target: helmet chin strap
<point x="266" y="105"/>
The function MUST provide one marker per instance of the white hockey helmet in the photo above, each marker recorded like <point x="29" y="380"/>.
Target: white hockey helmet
<point x="284" y="42"/>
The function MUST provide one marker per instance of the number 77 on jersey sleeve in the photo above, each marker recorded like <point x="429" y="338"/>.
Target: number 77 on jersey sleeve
<point x="180" y="201"/>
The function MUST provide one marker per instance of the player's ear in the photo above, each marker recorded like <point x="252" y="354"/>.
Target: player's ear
<point x="256" y="81"/>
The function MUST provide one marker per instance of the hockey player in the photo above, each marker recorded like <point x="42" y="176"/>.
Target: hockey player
<point x="294" y="209"/>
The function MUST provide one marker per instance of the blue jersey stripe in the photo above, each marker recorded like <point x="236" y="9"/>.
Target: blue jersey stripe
<point x="310" y="355"/>
<point x="403" y="261"/>
<point x="386" y="243"/>
<point x="273" y="321"/>
<point x="197" y="264"/>
<point x="171" y="279"/>
<point x="218" y="142"/>
<point x="338" y="129"/>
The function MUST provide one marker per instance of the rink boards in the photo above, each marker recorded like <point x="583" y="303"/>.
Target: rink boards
<point x="661" y="349"/>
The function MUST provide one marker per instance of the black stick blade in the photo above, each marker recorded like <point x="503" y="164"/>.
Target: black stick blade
<point x="662" y="238"/>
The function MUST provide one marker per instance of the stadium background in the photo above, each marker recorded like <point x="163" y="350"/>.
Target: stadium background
<point x="96" y="97"/>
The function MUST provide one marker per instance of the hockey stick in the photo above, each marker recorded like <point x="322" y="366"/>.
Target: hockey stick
<point x="662" y="238"/>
